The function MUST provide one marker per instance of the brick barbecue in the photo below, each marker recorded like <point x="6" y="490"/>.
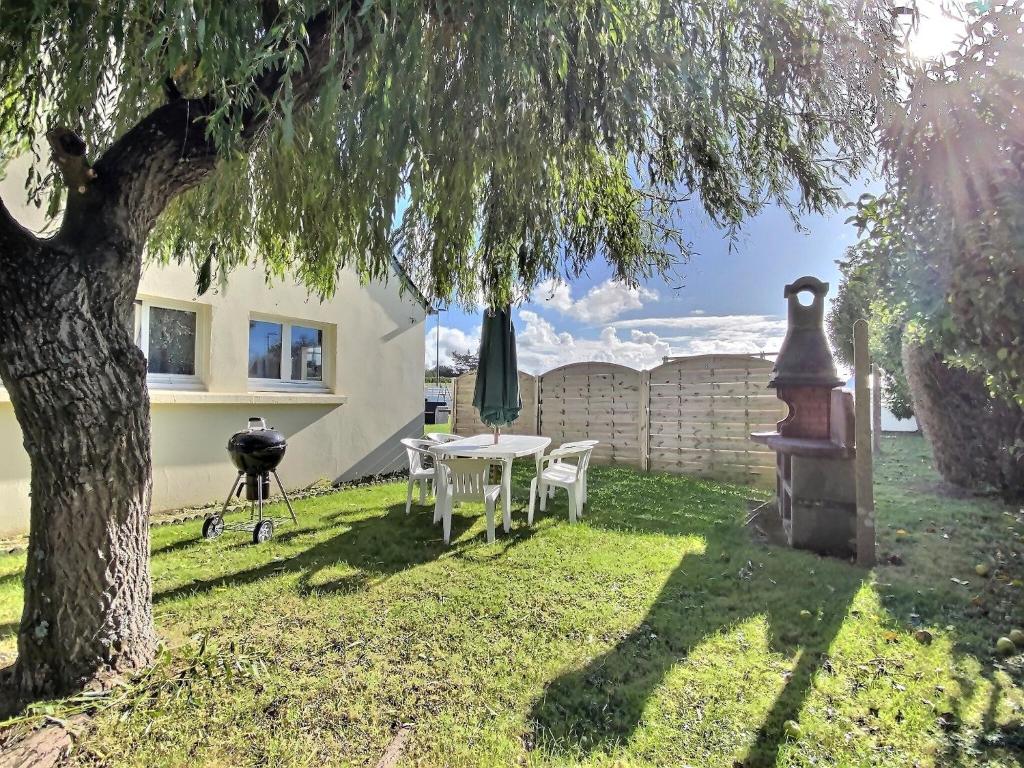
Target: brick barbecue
<point x="815" y="485"/>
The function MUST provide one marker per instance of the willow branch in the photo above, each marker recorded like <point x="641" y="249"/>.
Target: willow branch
<point x="169" y="151"/>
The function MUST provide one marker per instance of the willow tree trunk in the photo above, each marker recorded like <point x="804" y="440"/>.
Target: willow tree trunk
<point x="78" y="386"/>
<point x="78" y="382"/>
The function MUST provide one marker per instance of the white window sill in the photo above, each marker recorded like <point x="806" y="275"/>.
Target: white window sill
<point x="282" y="385"/>
<point x="177" y="383"/>
<point x="192" y="397"/>
<point x="182" y="397"/>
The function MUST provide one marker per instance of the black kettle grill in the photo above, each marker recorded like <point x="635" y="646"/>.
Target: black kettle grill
<point x="255" y="451"/>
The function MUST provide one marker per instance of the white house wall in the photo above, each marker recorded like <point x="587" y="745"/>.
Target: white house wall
<point x="375" y="378"/>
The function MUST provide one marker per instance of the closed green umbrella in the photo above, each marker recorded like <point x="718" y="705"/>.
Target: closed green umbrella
<point x="497" y="376"/>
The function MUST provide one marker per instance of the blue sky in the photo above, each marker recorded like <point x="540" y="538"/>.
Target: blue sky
<point x="723" y="300"/>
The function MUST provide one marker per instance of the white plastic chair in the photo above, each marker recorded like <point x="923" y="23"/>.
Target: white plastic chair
<point x="442" y="437"/>
<point x="556" y="472"/>
<point x="420" y="470"/>
<point x="577" y="444"/>
<point x="467" y="480"/>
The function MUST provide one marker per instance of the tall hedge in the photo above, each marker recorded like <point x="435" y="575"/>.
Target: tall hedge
<point x="977" y="440"/>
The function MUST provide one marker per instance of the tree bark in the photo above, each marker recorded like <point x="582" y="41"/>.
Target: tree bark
<point x="78" y="382"/>
<point x="78" y="386"/>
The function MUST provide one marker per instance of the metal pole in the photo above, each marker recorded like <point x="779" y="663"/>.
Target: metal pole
<point x="863" y="461"/>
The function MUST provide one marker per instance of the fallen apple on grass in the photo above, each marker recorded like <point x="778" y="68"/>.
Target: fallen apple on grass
<point x="792" y="729"/>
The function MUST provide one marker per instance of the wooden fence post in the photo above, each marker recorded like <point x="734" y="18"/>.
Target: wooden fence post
<point x="643" y="418"/>
<point x="536" y="405"/>
<point x="455" y="405"/>
<point x="876" y="410"/>
<point x="863" y="460"/>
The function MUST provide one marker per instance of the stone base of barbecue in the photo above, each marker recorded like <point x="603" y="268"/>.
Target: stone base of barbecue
<point x="819" y="505"/>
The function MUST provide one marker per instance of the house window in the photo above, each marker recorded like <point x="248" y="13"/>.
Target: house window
<point x="169" y="337"/>
<point x="285" y="355"/>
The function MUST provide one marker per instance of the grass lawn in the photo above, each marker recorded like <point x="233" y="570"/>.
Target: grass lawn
<point x="428" y="428"/>
<point x="654" y="632"/>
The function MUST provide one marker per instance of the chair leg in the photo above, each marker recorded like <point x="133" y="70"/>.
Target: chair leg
<point x="446" y="521"/>
<point x="408" y="497"/>
<point x="490" y="521"/>
<point x="423" y="492"/>
<point x="543" y="496"/>
<point x="572" y="504"/>
<point x="533" y="500"/>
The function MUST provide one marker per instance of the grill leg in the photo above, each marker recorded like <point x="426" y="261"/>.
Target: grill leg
<point x="234" y="488"/>
<point x="286" y="499"/>
<point x="259" y="499"/>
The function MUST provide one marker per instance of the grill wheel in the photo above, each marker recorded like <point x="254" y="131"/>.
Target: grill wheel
<point x="263" y="531"/>
<point x="213" y="527"/>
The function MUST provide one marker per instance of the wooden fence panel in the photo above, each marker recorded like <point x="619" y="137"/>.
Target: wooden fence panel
<point x="690" y="415"/>
<point x="466" y="418"/>
<point x="702" y="411"/>
<point x="597" y="401"/>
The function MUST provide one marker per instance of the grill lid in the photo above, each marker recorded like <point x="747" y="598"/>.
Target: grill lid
<point x="257" y="449"/>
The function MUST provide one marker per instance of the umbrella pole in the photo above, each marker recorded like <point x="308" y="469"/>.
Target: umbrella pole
<point x="497" y="431"/>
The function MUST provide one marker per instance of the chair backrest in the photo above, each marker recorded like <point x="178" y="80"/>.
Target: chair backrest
<point x="579" y="444"/>
<point x="442" y="437"/>
<point x="416" y="451"/>
<point x="574" y="451"/>
<point x="466" y="478"/>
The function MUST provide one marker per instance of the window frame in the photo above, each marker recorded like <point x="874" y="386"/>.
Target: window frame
<point x="286" y="383"/>
<point x="173" y="381"/>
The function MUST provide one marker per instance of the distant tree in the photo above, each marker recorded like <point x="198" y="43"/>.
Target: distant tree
<point x="527" y="138"/>
<point x="444" y="371"/>
<point x="858" y="297"/>
<point x="463" y="362"/>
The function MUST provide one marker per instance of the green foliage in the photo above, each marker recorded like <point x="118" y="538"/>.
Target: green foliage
<point x="946" y="242"/>
<point x="858" y="296"/>
<point x="485" y="143"/>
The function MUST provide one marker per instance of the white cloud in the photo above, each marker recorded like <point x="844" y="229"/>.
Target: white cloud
<point x="721" y="334"/>
<point x="702" y="322"/>
<point x="452" y="340"/>
<point x="601" y="303"/>
<point x="639" y="343"/>
<point x="541" y="346"/>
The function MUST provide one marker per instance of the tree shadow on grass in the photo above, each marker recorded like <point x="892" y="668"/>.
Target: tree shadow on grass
<point x="177" y="546"/>
<point x="600" y="706"/>
<point x="376" y="548"/>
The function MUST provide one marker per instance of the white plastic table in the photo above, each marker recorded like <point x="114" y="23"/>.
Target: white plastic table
<point x="508" y="448"/>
